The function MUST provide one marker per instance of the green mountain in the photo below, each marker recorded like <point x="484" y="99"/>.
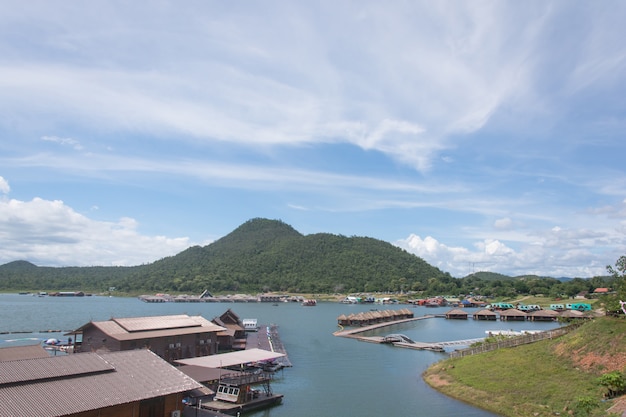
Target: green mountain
<point x="260" y="255"/>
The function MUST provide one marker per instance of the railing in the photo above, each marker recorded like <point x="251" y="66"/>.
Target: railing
<point x="514" y="341"/>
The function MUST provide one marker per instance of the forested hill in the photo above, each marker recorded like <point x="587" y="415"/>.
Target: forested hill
<point x="260" y="255"/>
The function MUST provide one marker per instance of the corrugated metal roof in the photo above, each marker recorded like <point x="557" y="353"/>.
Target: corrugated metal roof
<point x="14" y="353"/>
<point x="134" y="375"/>
<point x="136" y="324"/>
<point x="232" y="358"/>
<point x="152" y="327"/>
<point x="27" y="370"/>
<point x="204" y="374"/>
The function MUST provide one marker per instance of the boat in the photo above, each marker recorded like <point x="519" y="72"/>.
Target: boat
<point x="250" y="325"/>
<point x="309" y="303"/>
<point x="237" y="393"/>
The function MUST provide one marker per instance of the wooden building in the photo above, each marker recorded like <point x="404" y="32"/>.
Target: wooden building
<point x="456" y="314"/>
<point x="484" y="314"/>
<point x="544" y="315"/>
<point x="512" y="314"/>
<point x="573" y="314"/>
<point x="367" y="318"/>
<point x="233" y="333"/>
<point x="170" y="337"/>
<point x="133" y="383"/>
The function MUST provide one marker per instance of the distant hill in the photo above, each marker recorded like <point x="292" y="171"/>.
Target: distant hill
<point x="489" y="276"/>
<point x="18" y="266"/>
<point x="260" y="255"/>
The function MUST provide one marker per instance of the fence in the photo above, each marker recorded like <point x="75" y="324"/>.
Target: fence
<point x="515" y="341"/>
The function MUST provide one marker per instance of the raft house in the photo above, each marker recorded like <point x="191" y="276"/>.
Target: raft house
<point x="368" y="318"/>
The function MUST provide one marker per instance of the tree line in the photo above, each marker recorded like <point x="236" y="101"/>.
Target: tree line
<point x="265" y="255"/>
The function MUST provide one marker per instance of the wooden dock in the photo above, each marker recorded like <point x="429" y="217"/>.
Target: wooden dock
<point x="354" y="333"/>
<point x="267" y="338"/>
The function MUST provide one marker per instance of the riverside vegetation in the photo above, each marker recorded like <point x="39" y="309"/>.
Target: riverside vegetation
<point x="564" y="376"/>
<point x="579" y="374"/>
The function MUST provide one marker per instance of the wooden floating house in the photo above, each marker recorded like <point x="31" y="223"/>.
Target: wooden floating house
<point x="485" y="314"/>
<point x="170" y="337"/>
<point x="233" y="335"/>
<point x="456" y="314"/>
<point x="367" y="318"/>
<point x="544" y="315"/>
<point x="512" y="315"/>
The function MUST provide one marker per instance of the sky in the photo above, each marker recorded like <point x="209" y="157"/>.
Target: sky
<point x="478" y="135"/>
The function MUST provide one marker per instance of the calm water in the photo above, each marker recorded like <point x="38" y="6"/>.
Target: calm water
<point x="331" y="376"/>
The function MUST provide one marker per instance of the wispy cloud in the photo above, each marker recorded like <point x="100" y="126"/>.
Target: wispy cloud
<point x="63" y="141"/>
<point x="494" y="129"/>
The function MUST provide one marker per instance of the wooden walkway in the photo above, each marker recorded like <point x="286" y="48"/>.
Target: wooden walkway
<point x="353" y="333"/>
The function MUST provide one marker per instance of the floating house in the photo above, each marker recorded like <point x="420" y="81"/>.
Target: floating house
<point x="484" y="314"/>
<point x="573" y="314"/>
<point x="543" y="315"/>
<point x="457" y="314"/>
<point x="233" y="335"/>
<point x="130" y="383"/>
<point x="512" y="314"/>
<point x="367" y="318"/>
<point x="67" y="294"/>
<point x="170" y="337"/>
<point x="271" y="298"/>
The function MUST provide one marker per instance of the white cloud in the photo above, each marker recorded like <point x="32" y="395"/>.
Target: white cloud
<point x="63" y="141"/>
<point x="403" y="91"/>
<point x="51" y="233"/>
<point x="4" y="186"/>
<point x="575" y="258"/>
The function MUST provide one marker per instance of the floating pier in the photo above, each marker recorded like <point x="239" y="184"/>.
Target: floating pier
<point x="267" y="338"/>
<point x="354" y="333"/>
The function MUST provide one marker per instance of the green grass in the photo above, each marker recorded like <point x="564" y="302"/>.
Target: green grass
<point x="532" y="380"/>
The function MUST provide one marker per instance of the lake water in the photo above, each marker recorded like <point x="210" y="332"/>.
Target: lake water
<point x="331" y="376"/>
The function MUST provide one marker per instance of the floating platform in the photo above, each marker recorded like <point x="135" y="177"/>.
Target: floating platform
<point x="354" y="334"/>
<point x="267" y="338"/>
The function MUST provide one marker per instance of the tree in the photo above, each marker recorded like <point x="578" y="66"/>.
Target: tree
<point x="612" y="303"/>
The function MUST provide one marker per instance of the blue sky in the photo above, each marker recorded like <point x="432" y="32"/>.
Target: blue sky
<point x="478" y="135"/>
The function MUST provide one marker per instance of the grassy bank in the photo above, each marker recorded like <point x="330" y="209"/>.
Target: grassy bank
<point x="548" y="378"/>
